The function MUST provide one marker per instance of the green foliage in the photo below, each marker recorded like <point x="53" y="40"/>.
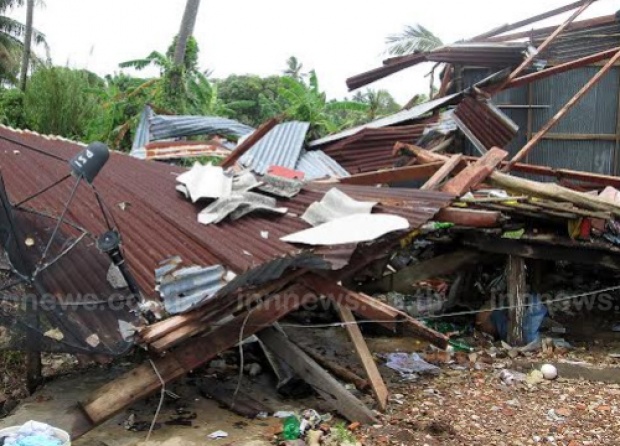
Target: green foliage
<point x="12" y="107"/>
<point x="380" y="103"/>
<point x="293" y="68"/>
<point x="11" y="42"/>
<point x="306" y="102"/>
<point x="413" y="39"/>
<point x="191" y="53"/>
<point x="342" y="435"/>
<point x="250" y="99"/>
<point x="61" y="101"/>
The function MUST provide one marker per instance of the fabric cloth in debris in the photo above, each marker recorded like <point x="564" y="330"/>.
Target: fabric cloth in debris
<point x="351" y="229"/>
<point x="236" y="206"/>
<point x="205" y="182"/>
<point x="335" y="204"/>
<point x="532" y="320"/>
<point x="33" y="433"/>
<point x="407" y="364"/>
<point x="187" y="288"/>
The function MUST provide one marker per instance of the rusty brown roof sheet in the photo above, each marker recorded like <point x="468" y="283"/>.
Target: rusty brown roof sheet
<point x="157" y="223"/>
<point x="371" y="149"/>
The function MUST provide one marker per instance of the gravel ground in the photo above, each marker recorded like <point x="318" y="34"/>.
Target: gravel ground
<point x="474" y="407"/>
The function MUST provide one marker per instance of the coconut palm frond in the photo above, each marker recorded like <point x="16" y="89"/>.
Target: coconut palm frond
<point x="413" y="39"/>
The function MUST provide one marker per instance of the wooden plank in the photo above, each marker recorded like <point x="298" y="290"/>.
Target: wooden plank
<point x="476" y="173"/>
<point x="403" y="281"/>
<point x="562" y="68"/>
<point x="249" y="142"/>
<point x="578" y="137"/>
<point x="554" y="192"/>
<point x="373" y="309"/>
<point x="409" y="173"/>
<point x="562" y="112"/>
<point x="336" y="369"/>
<point x="143" y="381"/>
<point x="242" y="404"/>
<point x="529" y="21"/>
<point x="331" y="390"/>
<point x="363" y="352"/>
<point x="528" y="61"/>
<point x="545" y="250"/>
<point x="516" y="299"/>
<point x="442" y="173"/>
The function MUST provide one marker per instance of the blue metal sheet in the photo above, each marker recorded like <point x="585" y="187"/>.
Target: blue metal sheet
<point x="282" y="147"/>
<point x="317" y="164"/>
<point x="154" y="127"/>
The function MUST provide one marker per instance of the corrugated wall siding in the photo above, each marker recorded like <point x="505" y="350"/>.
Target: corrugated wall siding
<point x="596" y="114"/>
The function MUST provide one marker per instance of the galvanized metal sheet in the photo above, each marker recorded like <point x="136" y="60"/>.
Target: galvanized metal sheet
<point x="282" y="147"/>
<point x="316" y="164"/>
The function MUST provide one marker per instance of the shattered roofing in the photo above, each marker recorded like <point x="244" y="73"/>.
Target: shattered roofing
<point x="154" y="127"/>
<point x="156" y="223"/>
<point x="280" y="147"/>
<point x="415" y="112"/>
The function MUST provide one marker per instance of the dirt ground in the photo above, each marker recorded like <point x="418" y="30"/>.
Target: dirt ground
<point x="466" y="404"/>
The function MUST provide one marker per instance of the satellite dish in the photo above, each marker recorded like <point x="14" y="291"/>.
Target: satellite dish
<point x="89" y="162"/>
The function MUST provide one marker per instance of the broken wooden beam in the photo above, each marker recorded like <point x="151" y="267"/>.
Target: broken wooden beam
<point x="144" y="379"/>
<point x="443" y="173"/>
<point x="331" y="390"/>
<point x="336" y="369"/>
<point x="379" y="388"/>
<point x="545" y="249"/>
<point x="249" y="142"/>
<point x="403" y="281"/>
<point x="409" y="173"/>
<point x="475" y="173"/>
<point x="516" y="287"/>
<point x="554" y="192"/>
<point x="563" y="111"/>
<point x="374" y="310"/>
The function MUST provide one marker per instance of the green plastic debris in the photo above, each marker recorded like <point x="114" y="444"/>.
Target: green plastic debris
<point x="514" y="235"/>
<point x="291" y="429"/>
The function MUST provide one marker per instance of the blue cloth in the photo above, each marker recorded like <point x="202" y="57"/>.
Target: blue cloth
<point x="532" y="320"/>
<point x="38" y="440"/>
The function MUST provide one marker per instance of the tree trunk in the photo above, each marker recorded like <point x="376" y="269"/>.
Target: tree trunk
<point x="187" y="29"/>
<point x="27" y="45"/>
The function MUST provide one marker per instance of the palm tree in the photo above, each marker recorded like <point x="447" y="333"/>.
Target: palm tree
<point x="175" y="84"/>
<point x="12" y="38"/>
<point x="293" y="68"/>
<point x="308" y="103"/>
<point x="380" y="103"/>
<point x="27" y="45"/>
<point x="413" y="39"/>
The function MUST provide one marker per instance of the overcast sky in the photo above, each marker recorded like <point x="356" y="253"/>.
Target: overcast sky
<point x="338" y="38"/>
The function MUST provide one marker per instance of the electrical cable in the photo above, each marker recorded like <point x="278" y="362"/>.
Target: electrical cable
<point x="161" y="400"/>
<point x="34" y="149"/>
<point x="42" y="191"/>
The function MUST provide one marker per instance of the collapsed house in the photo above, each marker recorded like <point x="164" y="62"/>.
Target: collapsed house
<point x="216" y="254"/>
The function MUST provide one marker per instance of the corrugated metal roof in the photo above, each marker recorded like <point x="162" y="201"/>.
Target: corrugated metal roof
<point x="579" y="43"/>
<point x="154" y="127"/>
<point x="482" y="54"/>
<point x="401" y="117"/>
<point x="316" y="164"/>
<point x="157" y="223"/>
<point x="371" y="149"/>
<point x="484" y="125"/>
<point x="280" y="147"/>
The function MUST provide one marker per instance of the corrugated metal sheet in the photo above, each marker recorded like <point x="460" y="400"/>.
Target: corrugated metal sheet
<point x="157" y="223"/>
<point x="371" y="149"/>
<point x="485" y="125"/>
<point x="280" y="147"/>
<point x="405" y="116"/>
<point x="482" y="54"/>
<point x="574" y="44"/>
<point x="389" y="67"/>
<point x="316" y="164"/>
<point x="154" y="127"/>
<point x="596" y="113"/>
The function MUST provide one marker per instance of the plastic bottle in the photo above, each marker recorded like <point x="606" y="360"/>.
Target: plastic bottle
<point x="291" y="428"/>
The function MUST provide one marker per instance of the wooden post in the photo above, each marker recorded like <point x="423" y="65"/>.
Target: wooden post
<point x="516" y="275"/>
<point x="443" y="173"/>
<point x="326" y="385"/>
<point x="363" y="352"/>
<point x="563" y="111"/>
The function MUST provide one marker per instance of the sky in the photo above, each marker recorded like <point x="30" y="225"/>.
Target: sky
<point x="337" y="38"/>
